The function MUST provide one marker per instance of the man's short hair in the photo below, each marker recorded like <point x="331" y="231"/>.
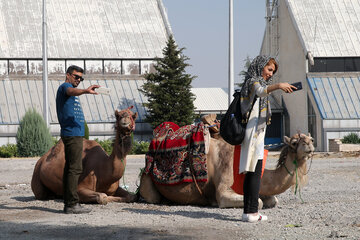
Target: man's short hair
<point x="71" y="69"/>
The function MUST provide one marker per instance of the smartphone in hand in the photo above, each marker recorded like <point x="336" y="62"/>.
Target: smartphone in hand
<point x="298" y="85"/>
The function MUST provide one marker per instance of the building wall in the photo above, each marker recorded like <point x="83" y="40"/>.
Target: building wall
<point x="292" y="67"/>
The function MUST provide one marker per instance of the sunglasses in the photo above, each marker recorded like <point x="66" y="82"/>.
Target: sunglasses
<point x="77" y="77"/>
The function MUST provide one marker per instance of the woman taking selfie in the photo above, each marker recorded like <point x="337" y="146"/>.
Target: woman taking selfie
<point x="256" y="106"/>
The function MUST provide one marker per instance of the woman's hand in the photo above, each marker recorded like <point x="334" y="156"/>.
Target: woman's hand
<point x="286" y="87"/>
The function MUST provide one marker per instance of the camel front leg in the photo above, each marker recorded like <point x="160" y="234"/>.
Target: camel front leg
<point x="90" y="196"/>
<point x="122" y="195"/>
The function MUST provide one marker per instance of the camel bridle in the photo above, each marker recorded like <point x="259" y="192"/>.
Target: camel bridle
<point x="295" y="162"/>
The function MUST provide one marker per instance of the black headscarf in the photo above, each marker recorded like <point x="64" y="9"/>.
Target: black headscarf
<point x="253" y="76"/>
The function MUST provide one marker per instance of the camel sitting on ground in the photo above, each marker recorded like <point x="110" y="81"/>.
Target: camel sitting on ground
<point x="217" y="191"/>
<point x="99" y="182"/>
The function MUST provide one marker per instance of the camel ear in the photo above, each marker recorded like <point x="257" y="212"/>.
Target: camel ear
<point x="135" y="115"/>
<point x="287" y="140"/>
<point x="309" y="135"/>
<point x="117" y="113"/>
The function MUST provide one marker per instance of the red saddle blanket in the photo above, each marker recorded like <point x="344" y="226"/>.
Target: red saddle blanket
<point x="177" y="155"/>
<point x="238" y="185"/>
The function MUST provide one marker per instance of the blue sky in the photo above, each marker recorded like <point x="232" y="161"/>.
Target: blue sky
<point x="202" y="27"/>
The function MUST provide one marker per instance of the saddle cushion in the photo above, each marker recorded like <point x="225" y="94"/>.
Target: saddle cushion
<point x="177" y="154"/>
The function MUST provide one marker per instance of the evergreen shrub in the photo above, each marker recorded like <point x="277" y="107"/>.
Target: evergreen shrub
<point x="107" y="145"/>
<point x="352" y="138"/>
<point x="9" y="150"/>
<point x="141" y="147"/>
<point x="86" y="131"/>
<point x="33" y="136"/>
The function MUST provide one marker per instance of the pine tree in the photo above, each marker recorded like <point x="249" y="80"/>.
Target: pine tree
<point x="247" y="61"/>
<point x="169" y="89"/>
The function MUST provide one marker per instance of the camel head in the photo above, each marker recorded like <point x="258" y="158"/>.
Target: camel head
<point x="301" y="144"/>
<point x="125" y="121"/>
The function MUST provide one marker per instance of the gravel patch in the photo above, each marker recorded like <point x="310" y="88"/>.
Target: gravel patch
<point x="330" y="209"/>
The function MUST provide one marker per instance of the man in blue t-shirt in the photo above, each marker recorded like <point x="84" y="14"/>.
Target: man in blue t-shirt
<point x="72" y="123"/>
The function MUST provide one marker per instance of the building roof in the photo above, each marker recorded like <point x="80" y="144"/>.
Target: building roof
<point x="84" y="29"/>
<point x="327" y="28"/>
<point x="18" y="95"/>
<point x="210" y="100"/>
<point x="337" y="96"/>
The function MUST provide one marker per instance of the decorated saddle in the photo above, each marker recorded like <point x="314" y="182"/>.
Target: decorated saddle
<point x="177" y="154"/>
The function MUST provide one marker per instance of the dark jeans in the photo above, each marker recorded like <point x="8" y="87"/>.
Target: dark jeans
<point x="252" y="188"/>
<point x="73" y="169"/>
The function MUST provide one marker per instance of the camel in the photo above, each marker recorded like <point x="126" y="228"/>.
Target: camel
<point x="217" y="191"/>
<point x="99" y="182"/>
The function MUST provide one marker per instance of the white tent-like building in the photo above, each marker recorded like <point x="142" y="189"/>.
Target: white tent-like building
<point x="116" y="42"/>
<point x="317" y="42"/>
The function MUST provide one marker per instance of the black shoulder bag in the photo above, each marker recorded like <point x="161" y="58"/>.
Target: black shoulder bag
<point x="232" y="128"/>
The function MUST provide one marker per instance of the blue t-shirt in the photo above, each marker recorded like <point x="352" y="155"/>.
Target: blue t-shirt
<point x="69" y="112"/>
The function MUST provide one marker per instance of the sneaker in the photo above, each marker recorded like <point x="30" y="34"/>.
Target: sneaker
<point x="76" y="209"/>
<point x="251" y="217"/>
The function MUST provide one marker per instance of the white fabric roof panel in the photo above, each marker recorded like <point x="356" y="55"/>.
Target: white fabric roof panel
<point x="210" y="99"/>
<point x="19" y="95"/>
<point x="83" y="29"/>
<point x="328" y="28"/>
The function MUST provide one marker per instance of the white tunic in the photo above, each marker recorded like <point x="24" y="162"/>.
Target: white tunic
<point x="252" y="147"/>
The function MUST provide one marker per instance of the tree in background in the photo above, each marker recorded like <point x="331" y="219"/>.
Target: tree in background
<point x="169" y="89"/>
<point x="243" y="72"/>
<point x="33" y="137"/>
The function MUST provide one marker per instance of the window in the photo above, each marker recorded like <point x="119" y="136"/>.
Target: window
<point x="131" y="67"/>
<point x="147" y="67"/>
<point x="79" y="63"/>
<point x="336" y="64"/>
<point x="35" y="67"/>
<point x="56" y="67"/>
<point x="112" y="66"/>
<point x="93" y="66"/>
<point x="311" y="120"/>
<point x="18" y="67"/>
<point x="3" y="67"/>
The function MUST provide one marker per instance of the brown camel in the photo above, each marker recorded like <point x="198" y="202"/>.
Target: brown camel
<point x="99" y="182"/>
<point x="217" y="190"/>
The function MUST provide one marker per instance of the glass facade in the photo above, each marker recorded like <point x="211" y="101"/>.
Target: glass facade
<point x="91" y="66"/>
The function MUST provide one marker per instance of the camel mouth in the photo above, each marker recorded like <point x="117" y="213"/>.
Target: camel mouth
<point x="125" y="125"/>
<point x="309" y="153"/>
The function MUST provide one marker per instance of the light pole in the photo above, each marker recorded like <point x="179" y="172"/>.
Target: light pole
<point x="231" y="51"/>
<point x="45" y="68"/>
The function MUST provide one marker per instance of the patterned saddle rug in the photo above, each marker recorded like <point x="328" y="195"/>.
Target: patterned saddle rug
<point x="177" y="155"/>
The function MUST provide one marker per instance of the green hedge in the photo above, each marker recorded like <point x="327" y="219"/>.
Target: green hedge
<point x="138" y="147"/>
<point x="352" y="138"/>
<point x="8" y="151"/>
